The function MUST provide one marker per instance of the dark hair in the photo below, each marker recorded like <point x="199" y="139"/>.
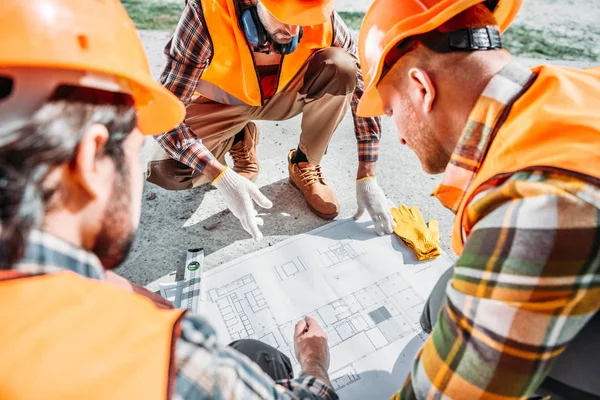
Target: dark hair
<point x="49" y="139"/>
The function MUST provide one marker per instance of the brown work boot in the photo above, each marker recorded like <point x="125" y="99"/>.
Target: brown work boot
<point x="308" y="178"/>
<point x="243" y="154"/>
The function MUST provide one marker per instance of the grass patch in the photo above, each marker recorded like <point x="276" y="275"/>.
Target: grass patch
<point x="519" y="40"/>
<point x="537" y="43"/>
<point x="352" y="18"/>
<point x="149" y="14"/>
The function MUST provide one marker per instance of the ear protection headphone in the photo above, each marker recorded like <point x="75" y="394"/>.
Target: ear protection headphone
<point x="257" y="35"/>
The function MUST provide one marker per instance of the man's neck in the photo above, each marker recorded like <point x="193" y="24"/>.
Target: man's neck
<point x="267" y="59"/>
<point x="475" y="76"/>
<point x="486" y="67"/>
<point x="65" y="226"/>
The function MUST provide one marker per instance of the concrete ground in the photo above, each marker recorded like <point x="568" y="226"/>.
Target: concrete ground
<point x="172" y="222"/>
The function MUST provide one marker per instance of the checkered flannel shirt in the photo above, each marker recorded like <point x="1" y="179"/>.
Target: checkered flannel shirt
<point x="528" y="278"/>
<point x="188" y="54"/>
<point x="205" y="369"/>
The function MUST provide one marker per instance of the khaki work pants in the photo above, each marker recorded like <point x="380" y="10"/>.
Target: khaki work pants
<point x="321" y="91"/>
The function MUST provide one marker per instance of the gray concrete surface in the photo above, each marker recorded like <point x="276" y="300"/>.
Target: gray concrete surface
<point x="175" y="221"/>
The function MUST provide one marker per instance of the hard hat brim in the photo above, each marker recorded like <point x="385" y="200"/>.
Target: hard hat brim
<point x="379" y="40"/>
<point x="294" y="13"/>
<point x="370" y="104"/>
<point x="159" y="112"/>
<point x="157" y="109"/>
<point x="96" y="37"/>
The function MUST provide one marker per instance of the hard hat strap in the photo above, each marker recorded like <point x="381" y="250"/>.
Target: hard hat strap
<point x="466" y="39"/>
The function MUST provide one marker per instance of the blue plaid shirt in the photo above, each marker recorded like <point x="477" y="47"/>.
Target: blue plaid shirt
<point x="205" y="369"/>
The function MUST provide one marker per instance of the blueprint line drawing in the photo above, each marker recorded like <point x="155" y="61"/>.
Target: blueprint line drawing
<point x="270" y="339"/>
<point x="366" y="292"/>
<point x="347" y="377"/>
<point x="290" y="269"/>
<point x="246" y="315"/>
<point x="243" y="309"/>
<point x="382" y="313"/>
<point x="373" y="313"/>
<point x="344" y="250"/>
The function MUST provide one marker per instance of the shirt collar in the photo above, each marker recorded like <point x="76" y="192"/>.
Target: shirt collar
<point x="485" y="119"/>
<point x="46" y="254"/>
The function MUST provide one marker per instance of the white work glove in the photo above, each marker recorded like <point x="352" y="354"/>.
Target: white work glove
<point x="239" y="193"/>
<point x="370" y="197"/>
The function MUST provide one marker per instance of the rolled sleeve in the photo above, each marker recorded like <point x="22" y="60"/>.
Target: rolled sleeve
<point x="206" y="369"/>
<point x="188" y="54"/>
<point x="366" y="130"/>
<point x="527" y="282"/>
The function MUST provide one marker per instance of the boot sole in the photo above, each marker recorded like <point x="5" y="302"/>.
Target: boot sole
<point x="324" y="216"/>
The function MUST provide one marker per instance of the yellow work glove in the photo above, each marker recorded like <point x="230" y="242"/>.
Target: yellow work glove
<point x="411" y="228"/>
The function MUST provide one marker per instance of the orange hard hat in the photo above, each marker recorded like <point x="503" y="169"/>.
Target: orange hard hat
<point x="300" y="12"/>
<point x="390" y="21"/>
<point x="94" y="39"/>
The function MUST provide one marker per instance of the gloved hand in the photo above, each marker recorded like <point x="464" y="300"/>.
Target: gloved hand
<point x="370" y="197"/>
<point x="239" y="193"/>
<point x="413" y="231"/>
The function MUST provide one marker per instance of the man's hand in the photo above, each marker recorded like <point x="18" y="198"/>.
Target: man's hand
<point x="312" y="351"/>
<point x="365" y="169"/>
<point x="371" y="198"/>
<point x="213" y="169"/>
<point x="158" y="301"/>
<point x="239" y="195"/>
<point x="123" y="283"/>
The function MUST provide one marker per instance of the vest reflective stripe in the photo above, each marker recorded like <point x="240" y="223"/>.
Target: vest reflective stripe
<point x="232" y="70"/>
<point x="554" y="126"/>
<point x="68" y="337"/>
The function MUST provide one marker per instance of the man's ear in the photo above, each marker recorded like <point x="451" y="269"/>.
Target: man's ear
<point x="88" y="169"/>
<point x="423" y="88"/>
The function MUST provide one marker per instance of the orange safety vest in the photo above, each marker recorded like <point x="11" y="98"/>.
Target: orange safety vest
<point x="66" y="337"/>
<point x="232" y="69"/>
<point x="553" y="126"/>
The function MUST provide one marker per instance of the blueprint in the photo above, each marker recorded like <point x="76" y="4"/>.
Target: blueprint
<point x="367" y="292"/>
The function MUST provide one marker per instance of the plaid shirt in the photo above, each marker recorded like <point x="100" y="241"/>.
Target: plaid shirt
<point x="528" y="278"/>
<point x="189" y="53"/>
<point x="206" y="370"/>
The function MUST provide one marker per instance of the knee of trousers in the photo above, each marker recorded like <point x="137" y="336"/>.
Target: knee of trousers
<point x="170" y="174"/>
<point x="336" y="69"/>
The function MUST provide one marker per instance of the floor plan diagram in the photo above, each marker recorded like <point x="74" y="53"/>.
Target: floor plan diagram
<point x="347" y="376"/>
<point x="344" y="250"/>
<point x="365" y="291"/>
<point x="290" y="269"/>
<point x="380" y="313"/>
<point x="243" y="308"/>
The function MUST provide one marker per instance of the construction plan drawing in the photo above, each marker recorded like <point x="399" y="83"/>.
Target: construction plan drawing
<point x="367" y="292"/>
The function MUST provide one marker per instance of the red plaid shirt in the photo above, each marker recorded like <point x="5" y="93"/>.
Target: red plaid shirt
<point x="188" y="54"/>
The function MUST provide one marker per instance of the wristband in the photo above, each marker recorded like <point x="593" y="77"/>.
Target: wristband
<point x="365" y="178"/>
<point x="219" y="176"/>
